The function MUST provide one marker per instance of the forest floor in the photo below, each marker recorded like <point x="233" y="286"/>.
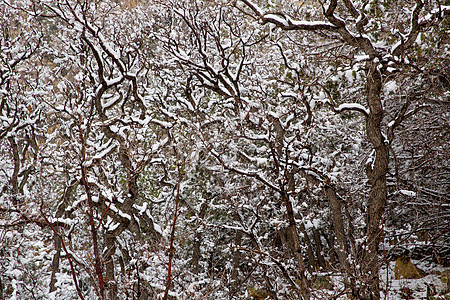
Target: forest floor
<point x="433" y="286"/>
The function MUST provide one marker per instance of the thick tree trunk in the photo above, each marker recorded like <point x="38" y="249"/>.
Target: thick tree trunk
<point x="311" y="265"/>
<point x="376" y="173"/>
<point x="293" y="239"/>
<point x="337" y="221"/>
<point x="319" y="253"/>
<point x="338" y="227"/>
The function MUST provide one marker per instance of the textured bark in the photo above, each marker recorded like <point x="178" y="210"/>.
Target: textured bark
<point x="337" y="220"/>
<point x="97" y="262"/>
<point x="331" y="245"/>
<point x="376" y="173"/>
<point x="2" y="297"/>
<point x="293" y="237"/>
<point x="319" y="255"/>
<point x="338" y="226"/>
<point x="55" y="263"/>
<point x="172" y="238"/>
<point x="309" y="249"/>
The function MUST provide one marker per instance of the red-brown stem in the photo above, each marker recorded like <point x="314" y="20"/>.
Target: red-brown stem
<point x="172" y="235"/>
<point x="103" y="215"/>
<point x="98" y="267"/>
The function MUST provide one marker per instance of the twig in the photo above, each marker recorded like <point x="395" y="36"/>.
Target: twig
<point x="172" y="235"/>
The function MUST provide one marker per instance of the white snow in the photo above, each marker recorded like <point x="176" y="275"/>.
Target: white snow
<point x="408" y="193"/>
<point x="352" y="106"/>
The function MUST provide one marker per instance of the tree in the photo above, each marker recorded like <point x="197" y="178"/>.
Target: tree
<point x="371" y="44"/>
<point x="219" y="149"/>
<point x="363" y="32"/>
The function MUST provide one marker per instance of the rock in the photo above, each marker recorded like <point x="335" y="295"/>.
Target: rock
<point x="445" y="279"/>
<point x="405" y="269"/>
<point x="261" y="294"/>
<point x="323" y="282"/>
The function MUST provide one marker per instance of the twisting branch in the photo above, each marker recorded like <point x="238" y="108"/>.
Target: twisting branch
<point x="344" y="107"/>
<point x="285" y="22"/>
<point x="414" y="30"/>
<point x="402" y="116"/>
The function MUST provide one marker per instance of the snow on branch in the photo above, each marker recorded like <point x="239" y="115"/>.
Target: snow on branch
<point x="353" y="107"/>
<point x="345" y="106"/>
<point x="285" y="22"/>
<point x="417" y="25"/>
<point x="246" y="173"/>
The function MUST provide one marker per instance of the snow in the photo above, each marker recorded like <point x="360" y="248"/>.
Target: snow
<point x="310" y="23"/>
<point x="119" y="212"/>
<point x="106" y="150"/>
<point x="362" y="58"/>
<point x="391" y="86"/>
<point x="391" y="69"/>
<point x="142" y="208"/>
<point x="114" y="81"/>
<point x="353" y="106"/>
<point x="408" y="193"/>
<point x="255" y="7"/>
<point x="204" y="136"/>
<point x="349" y="75"/>
<point x="417" y="287"/>
<point x="156" y="146"/>
<point x="395" y="46"/>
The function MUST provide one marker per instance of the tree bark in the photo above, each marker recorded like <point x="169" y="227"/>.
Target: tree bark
<point x="376" y="173"/>
<point x="339" y="230"/>
<point x="319" y="254"/>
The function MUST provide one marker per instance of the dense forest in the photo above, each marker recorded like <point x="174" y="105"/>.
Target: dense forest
<point x="224" y="149"/>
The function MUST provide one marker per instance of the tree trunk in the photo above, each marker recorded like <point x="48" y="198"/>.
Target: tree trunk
<point x="319" y="253"/>
<point x="14" y="182"/>
<point x="339" y="231"/>
<point x="376" y="174"/>
<point x="55" y="263"/>
<point x="312" y="265"/>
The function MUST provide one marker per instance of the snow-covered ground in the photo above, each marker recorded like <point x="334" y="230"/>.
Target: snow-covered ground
<point x="414" y="288"/>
